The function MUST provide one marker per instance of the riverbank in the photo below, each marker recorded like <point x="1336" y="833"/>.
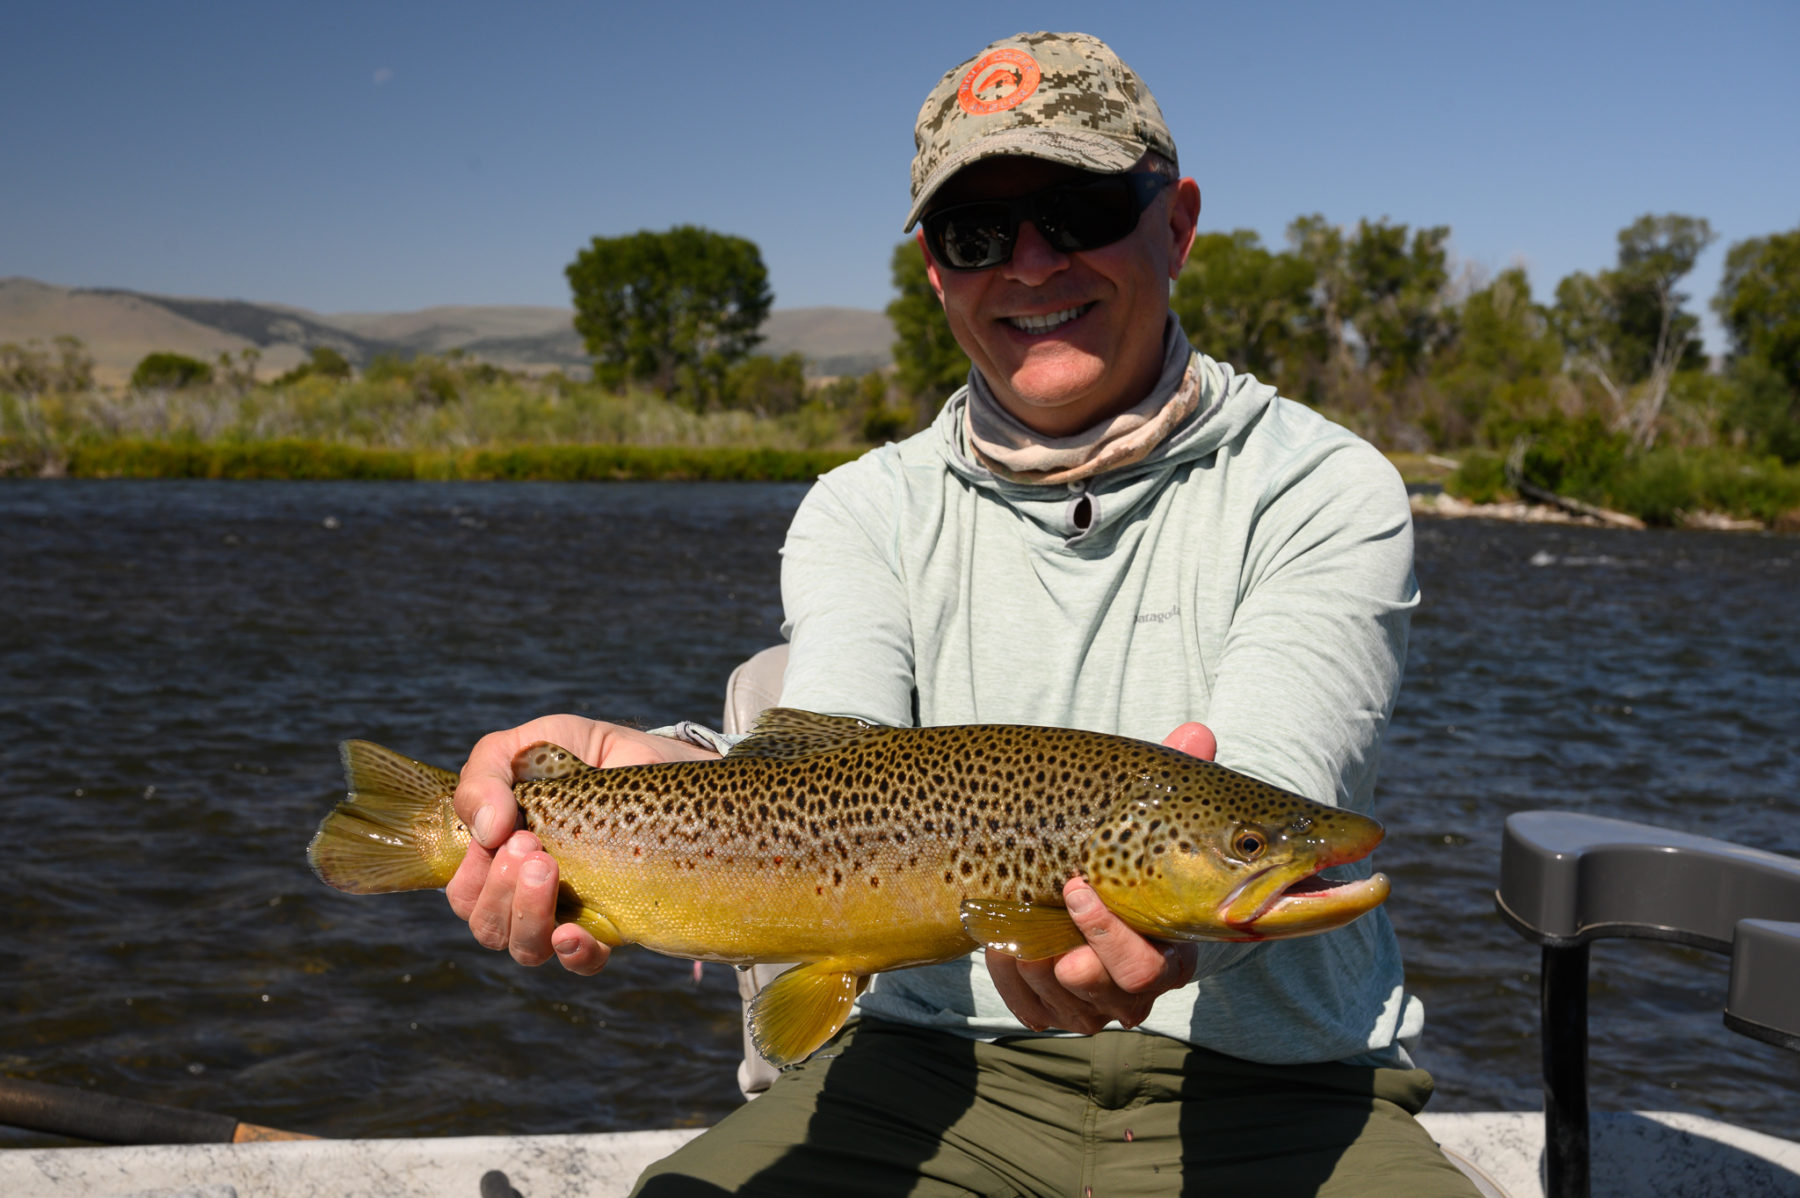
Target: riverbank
<point x="294" y="459"/>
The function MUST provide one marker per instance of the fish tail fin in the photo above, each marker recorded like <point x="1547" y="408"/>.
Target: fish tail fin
<point x="397" y="830"/>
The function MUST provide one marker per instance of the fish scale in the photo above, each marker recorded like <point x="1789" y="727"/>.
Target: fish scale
<point x="853" y="848"/>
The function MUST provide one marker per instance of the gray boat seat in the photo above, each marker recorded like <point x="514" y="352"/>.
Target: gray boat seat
<point x="1567" y="880"/>
<point x="755" y="686"/>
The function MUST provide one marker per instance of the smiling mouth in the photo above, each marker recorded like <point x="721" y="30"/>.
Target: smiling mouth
<point x="1036" y="326"/>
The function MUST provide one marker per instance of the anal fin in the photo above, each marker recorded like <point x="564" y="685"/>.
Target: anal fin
<point x="802" y="1009"/>
<point x="1027" y="931"/>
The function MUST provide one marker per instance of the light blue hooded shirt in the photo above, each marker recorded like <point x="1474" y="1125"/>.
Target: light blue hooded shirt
<point x="1254" y="572"/>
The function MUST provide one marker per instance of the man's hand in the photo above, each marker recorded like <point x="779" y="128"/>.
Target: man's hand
<point x="506" y="885"/>
<point x="1118" y="974"/>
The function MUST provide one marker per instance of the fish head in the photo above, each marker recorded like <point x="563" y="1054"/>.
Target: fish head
<point x="1210" y="854"/>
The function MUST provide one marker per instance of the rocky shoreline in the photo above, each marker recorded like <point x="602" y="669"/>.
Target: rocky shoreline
<point x="1442" y="504"/>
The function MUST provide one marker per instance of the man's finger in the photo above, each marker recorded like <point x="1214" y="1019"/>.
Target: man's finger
<point x="464" y="890"/>
<point x="1018" y="996"/>
<point x="484" y="797"/>
<point x="1196" y="740"/>
<point x="577" y="949"/>
<point x="1073" y="1010"/>
<point x="1133" y="963"/>
<point x="491" y="920"/>
<point x="533" y="910"/>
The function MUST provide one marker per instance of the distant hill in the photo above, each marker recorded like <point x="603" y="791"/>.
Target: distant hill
<point x="834" y="341"/>
<point x="119" y="327"/>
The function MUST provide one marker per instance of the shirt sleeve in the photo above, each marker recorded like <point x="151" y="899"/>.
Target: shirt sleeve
<point x="847" y="618"/>
<point x="1311" y="665"/>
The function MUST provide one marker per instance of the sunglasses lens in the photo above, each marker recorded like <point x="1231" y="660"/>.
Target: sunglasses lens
<point x="1089" y="216"/>
<point x="972" y="236"/>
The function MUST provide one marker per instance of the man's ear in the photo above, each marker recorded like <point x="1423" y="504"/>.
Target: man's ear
<point x="1184" y="220"/>
<point x="931" y="267"/>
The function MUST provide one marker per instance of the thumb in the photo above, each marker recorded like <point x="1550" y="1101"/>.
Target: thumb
<point x="1091" y="916"/>
<point x="1196" y="740"/>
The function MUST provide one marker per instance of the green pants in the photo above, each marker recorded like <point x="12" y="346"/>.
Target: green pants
<point x="886" y="1109"/>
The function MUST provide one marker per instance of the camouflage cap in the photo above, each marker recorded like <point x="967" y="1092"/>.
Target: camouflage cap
<point x="1065" y="97"/>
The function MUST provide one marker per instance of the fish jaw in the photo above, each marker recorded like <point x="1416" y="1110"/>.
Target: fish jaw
<point x="1311" y="904"/>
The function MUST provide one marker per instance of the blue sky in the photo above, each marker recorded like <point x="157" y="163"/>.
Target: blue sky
<point x="376" y="157"/>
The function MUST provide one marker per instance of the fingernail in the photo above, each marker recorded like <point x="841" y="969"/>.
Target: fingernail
<point x="534" y="873"/>
<point x="484" y="827"/>
<point x="565" y="947"/>
<point x="1081" y="900"/>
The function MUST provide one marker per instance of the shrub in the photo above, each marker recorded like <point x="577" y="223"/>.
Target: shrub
<point x="1481" y="478"/>
<point x="169" y="371"/>
<point x="322" y="362"/>
<point x="1568" y="455"/>
<point x="1664" y="485"/>
<point x="1763" y="410"/>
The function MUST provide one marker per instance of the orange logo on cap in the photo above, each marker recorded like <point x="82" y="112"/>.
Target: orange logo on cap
<point x="998" y="81"/>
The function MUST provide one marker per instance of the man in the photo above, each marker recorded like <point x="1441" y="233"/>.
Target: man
<point x="1103" y="530"/>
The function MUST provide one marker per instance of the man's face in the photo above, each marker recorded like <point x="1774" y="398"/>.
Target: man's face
<point x="1105" y="308"/>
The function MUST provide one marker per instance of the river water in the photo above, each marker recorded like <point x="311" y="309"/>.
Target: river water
<point x="178" y="661"/>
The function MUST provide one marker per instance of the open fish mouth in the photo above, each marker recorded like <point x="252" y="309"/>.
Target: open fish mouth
<point x="1308" y="904"/>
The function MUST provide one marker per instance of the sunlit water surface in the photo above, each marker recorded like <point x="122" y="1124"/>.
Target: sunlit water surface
<point x="178" y="661"/>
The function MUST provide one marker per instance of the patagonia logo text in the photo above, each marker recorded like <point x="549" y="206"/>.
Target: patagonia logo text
<point x="1159" y="617"/>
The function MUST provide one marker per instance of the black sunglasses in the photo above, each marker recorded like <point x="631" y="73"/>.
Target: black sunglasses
<point x="1070" y="216"/>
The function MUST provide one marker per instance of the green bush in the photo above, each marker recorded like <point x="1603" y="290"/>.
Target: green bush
<point x="1664" y="485"/>
<point x="170" y="372"/>
<point x="433" y="380"/>
<point x="1480" y="478"/>
<point x="322" y="362"/>
<point x="1764" y="410"/>
<point x="1568" y="455"/>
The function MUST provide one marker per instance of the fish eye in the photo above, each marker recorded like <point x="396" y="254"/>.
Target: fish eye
<point x="1249" y="844"/>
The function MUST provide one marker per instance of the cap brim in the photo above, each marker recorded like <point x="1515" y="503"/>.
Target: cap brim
<point x="1086" y="151"/>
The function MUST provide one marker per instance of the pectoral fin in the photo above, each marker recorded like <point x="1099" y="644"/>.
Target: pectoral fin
<point x="1027" y="931"/>
<point x="802" y="1009"/>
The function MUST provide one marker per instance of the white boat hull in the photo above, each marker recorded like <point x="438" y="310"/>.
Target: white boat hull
<point x="1635" y="1155"/>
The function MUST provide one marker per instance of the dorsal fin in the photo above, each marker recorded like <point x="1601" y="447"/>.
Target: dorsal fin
<point x="787" y="732"/>
<point x="544" y="761"/>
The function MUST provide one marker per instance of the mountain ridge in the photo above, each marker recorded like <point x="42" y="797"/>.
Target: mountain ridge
<point x="118" y="326"/>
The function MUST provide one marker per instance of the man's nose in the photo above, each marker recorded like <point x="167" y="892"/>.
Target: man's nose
<point x="1034" y="259"/>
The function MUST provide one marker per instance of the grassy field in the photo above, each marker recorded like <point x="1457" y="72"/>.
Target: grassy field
<point x="440" y="424"/>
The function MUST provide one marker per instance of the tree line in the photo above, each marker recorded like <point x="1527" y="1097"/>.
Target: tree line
<point x="1373" y="324"/>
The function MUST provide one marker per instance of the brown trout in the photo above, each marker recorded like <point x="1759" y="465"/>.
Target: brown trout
<point x="854" y="848"/>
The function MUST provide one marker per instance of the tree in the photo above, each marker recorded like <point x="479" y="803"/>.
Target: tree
<point x="1626" y="328"/>
<point x="1242" y="304"/>
<point x="170" y="371"/>
<point x="1397" y="295"/>
<point x="321" y="360"/>
<point x="764" y="385"/>
<point x="1759" y="304"/>
<point x="28" y="369"/>
<point x="1759" y="301"/>
<point x="650" y="306"/>
<point x="1321" y="246"/>
<point x="928" y="363"/>
<point x="1500" y="365"/>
